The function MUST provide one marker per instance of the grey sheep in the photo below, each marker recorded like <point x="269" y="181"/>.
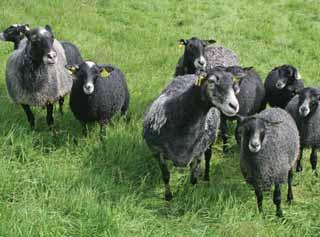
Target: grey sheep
<point x="35" y="73"/>
<point x="305" y="110"/>
<point x="281" y="85"/>
<point x="182" y="123"/>
<point x="98" y="93"/>
<point x="269" y="150"/>
<point x="201" y="55"/>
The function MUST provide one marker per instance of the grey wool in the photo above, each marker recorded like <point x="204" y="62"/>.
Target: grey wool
<point x="270" y="147"/>
<point x="218" y="55"/>
<point x="37" y="87"/>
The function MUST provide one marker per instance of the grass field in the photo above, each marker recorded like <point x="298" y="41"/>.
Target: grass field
<point x="70" y="185"/>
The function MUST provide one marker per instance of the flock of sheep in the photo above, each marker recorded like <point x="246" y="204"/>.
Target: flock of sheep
<point x="209" y="89"/>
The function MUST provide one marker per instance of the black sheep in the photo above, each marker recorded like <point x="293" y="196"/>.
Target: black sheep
<point x="97" y="97"/>
<point x="281" y="85"/>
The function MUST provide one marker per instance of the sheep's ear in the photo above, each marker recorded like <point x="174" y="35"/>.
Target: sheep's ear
<point x="236" y="71"/>
<point x="208" y="42"/>
<point x="25" y="29"/>
<point x="48" y="28"/>
<point x="182" y="43"/>
<point x="72" y="68"/>
<point x="105" y="70"/>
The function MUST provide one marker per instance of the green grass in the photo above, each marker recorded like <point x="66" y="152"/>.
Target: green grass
<point x="69" y="185"/>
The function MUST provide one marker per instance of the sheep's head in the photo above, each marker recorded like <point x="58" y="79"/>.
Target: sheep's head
<point x="287" y="76"/>
<point x="40" y="41"/>
<point x="14" y="33"/>
<point x="87" y="73"/>
<point x="194" y="51"/>
<point x="308" y="101"/>
<point x="219" y="88"/>
<point x="253" y="131"/>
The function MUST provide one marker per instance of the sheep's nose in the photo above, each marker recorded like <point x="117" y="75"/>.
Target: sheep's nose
<point x="254" y="144"/>
<point x="52" y="55"/>
<point x="233" y="106"/>
<point x="88" y="87"/>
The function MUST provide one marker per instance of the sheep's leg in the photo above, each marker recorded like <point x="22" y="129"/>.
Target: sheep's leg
<point x="224" y="133"/>
<point x="277" y="199"/>
<point x="207" y="156"/>
<point x="290" y="194"/>
<point x="84" y="129"/>
<point x="29" y="114"/>
<point x="61" y="101"/>
<point x="259" y="196"/>
<point x="50" y="120"/>
<point x="314" y="158"/>
<point x="165" y="176"/>
<point x="237" y="134"/>
<point x="103" y="124"/>
<point x="299" y="166"/>
<point x="195" y="170"/>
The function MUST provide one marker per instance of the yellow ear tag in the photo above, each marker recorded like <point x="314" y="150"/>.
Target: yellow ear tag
<point x="72" y="70"/>
<point x="104" y="73"/>
<point x="199" y="80"/>
<point x="181" y="45"/>
<point x="236" y="79"/>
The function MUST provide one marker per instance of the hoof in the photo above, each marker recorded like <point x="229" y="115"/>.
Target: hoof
<point x="279" y="213"/>
<point x="168" y="196"/>
<point x="299" y="168"/>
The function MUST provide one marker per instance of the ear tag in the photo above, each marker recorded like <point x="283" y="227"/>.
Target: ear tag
<point x="72" y="70"/>
<point x="237" y="80"/>
<point x="181" y="45"/>
<point x="104" y="73"/>
<point x="199" y="80"/>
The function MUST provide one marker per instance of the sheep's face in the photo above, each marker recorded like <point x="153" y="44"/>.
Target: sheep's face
<point x="41" y="45"/>
<point x="254" y="132"/>
<point x="220" y="89"/>
<point x="194" y="52"/>
<point x="287" y="76"/>
<point x="308" y="101"/>
<point x="87" y="73"/>
<point x="14" y="33"/>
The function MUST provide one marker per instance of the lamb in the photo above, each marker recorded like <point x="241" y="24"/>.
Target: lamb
<point x="35" y="73"/>
<point x="269" y="150"/>
<point x="98" y="93"/>
<point x="282" y="84"/>
<point x="201" y="55"/>
<point x="251" y="97"/>
<point x="182" y="123"/>
<point x="305" y="110"/>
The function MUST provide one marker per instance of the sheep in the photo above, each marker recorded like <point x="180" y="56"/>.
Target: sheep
<point x="98" y="93"/>
<point x="16" y="34"/>
<point x="35" y="73"/>
<point x="251" y="97"/>
<point x="281" y="85"/>
<point x="182" y="123"/>
<point x="269" y="150"/>
<point x="305" y="110"/>
<point x="201" y="55"/>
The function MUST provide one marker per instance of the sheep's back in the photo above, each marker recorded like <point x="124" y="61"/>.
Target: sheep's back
<point x="220" y="56"/>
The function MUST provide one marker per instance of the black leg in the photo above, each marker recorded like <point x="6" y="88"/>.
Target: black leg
<point x="61" y="101"/>
<point x="207" y="156"/>
<point x="259" y="196"/>
<point x="102" y="131"/>
<point x="50" y="115"/>
<point x="195" y="170"/>
<point x="165" y="176"/>
<point x="299" y="166"/>
<point x="29" y="114"/>
<point x="224" y="133"/>
<point x="290" y="194"/>
<point x="237" y="134"/>
<point x="314" y="158"/>
<point x="277" y="200"/>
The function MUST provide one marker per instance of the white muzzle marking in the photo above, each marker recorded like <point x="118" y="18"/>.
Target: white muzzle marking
<point x="88" y="88"/>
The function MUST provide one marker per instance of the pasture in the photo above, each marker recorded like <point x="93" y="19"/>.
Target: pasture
<point x="66" y="184"/>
